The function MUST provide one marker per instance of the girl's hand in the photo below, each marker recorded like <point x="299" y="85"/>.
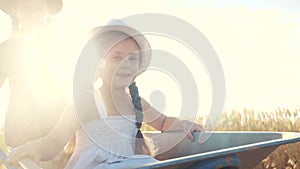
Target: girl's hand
<point x="191" y="127"/>
<point x="31" y="150"/>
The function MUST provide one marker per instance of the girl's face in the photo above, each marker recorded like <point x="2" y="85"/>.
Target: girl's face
<point x="121" y="64"/>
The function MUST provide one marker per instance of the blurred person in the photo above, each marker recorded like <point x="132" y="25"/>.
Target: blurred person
<point x="29" y="60"/>
<point x="30" y="14"/>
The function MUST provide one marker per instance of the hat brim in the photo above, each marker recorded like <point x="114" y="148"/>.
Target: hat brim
<point x="9" y="6"/>
<point x="140" y="39"/>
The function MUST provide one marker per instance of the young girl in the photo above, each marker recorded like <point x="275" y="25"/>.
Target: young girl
<point x="109" y="135"/>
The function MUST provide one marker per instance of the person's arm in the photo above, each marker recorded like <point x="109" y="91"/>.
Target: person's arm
<point x="3" y="67"/>
<point x="48" y="147"/>
<point x="163" y="123"/>
<point x="58" y="137"/>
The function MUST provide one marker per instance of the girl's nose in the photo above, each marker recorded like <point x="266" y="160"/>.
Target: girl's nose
<point x="125" y="64"/>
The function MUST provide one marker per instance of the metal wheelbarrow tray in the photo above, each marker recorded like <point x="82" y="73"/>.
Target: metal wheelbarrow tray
<point x="222" y="150"/>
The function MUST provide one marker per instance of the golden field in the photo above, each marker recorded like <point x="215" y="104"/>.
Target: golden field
<point x="285" y="156"/>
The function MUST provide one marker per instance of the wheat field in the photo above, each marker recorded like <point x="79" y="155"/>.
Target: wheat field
<point x="281" y="120"/>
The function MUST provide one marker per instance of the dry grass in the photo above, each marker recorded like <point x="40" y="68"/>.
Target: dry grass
<point x="284" y="157"/>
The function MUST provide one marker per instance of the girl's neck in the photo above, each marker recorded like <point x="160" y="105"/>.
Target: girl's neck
<point x="107" y="91"/>
<point x="116" y="101"/>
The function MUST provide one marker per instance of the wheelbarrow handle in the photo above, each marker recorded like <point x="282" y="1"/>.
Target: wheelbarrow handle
<point x="3" y="160"/>
<point x="28" y="164"/>
<point x="24" y="163"/>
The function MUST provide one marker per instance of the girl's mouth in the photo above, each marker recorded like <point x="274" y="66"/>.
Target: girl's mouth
<point x="123" y="74"/>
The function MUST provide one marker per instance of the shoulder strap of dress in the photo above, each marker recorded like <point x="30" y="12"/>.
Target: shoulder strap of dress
<point x="100" y="106"/>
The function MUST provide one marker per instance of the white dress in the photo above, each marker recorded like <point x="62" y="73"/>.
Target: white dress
<point x="107" y="143"/>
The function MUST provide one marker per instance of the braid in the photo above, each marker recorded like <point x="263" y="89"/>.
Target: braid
<point x="140" y="145"/>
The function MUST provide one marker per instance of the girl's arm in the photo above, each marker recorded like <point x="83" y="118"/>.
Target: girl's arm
<point x="158" y="120"/>
<point x="163" y="123"/>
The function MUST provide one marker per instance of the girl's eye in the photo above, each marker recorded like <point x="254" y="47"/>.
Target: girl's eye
<point x="133" y="58"/>
<point x="117" y="57"/>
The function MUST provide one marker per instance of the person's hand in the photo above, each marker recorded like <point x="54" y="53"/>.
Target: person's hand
<point x="191" y="127"/>
<point x="31" y="150"/>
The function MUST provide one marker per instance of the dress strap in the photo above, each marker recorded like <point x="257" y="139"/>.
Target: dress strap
<point x="100" y="106"/>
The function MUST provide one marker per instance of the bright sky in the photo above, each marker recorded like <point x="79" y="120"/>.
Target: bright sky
<point x="258" y="44"/>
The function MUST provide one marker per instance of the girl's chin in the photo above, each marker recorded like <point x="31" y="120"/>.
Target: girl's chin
<point x="121" y="83"/>
<point x="123" y="80"/>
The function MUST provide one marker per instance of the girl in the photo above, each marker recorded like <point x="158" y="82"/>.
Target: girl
<point x="109" y="135"/>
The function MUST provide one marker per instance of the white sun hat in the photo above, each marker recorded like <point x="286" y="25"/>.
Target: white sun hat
<point x="118" y="27"/>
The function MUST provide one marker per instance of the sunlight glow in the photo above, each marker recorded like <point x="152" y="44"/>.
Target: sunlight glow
<point x="257" y="44"/>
